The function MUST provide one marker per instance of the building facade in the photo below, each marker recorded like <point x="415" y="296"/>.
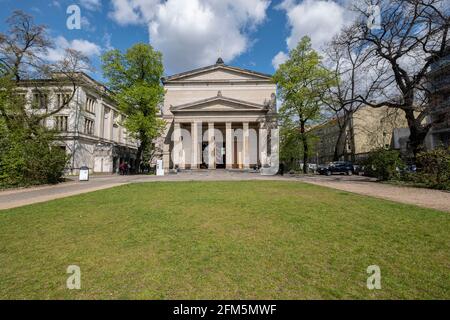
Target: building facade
<point x="90" y="126"/>
<point x="369" y="129"/>
<point x="439" y="84"/>
<point x="217" y="117"/>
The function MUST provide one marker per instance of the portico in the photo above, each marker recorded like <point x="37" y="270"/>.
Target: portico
<point x="218" y="118"/>
<point x="234" y="145"/>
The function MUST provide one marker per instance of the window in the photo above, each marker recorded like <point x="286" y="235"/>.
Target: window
<point x="61" y="123"/>
<point x="61" y="99"/>
<point x="40" y="100"/>
<point x="90" y="104"/>
<point x="88" y="126"/>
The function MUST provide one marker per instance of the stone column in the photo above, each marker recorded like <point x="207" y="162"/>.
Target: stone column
<point x="211" y="147"/>
<point x="262" y="145"/>
<point x="195" y="161"/>
<point x="229" y="145"/>
<point x="111" y="124"/>
<point x="245" y="146"/>
<point x="177" y="145"/>
<point x="99" y="120"/>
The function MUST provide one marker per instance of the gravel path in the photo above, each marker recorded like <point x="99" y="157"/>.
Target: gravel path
<point x="428" y="198"/>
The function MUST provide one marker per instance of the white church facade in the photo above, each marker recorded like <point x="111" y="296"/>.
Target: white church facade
<point x="217" y="117"/>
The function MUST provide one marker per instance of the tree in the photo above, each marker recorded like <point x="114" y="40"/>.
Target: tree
<point x="28" y="154"/>
<point x="302" y="82"/>
<point x="412" y="35"/>
<point x="22" y="59"/>
<point x="351" y="69"/>
<point x="134" y="77"/>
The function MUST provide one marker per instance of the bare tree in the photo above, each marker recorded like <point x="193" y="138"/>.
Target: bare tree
<point x="412" y="34"/>
<point x="23" y="63"/>
<point x="351" y="67"/>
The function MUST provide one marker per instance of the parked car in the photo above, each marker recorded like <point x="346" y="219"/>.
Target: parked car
<point x="340" y="167"/>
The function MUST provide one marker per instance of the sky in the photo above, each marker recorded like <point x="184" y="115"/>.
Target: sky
<point x="251" y="34"/>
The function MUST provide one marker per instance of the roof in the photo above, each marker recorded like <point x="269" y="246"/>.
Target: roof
<point x="243" y="105"/>
<point x="219" y="65"/>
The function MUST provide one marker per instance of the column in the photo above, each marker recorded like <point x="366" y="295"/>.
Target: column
<point x="211" y="147"/>
<point x="111" y="124"/>
<point x="195" y="134"/>
<point x="229" y="145"/>
<point x="245" y="147"/>
<point x="177" y="147"/>
<point x="99" y="120"/>
<point x="262" y="144"/>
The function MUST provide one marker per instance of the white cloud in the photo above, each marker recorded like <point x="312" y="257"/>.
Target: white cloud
<point x="321" y="20"/>
<point x="86" y="47"/>
<point x="86" y="25"/>
<point x="92" y="5"/>
<point x="280" y="58"/>
<point x="194" y="33"/>
<point x="318" y="19"/>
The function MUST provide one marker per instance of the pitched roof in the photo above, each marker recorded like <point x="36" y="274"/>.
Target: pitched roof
<point x="220" y="65"/>
<point x="246" y="106"/>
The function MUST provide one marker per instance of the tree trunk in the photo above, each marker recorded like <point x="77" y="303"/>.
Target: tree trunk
<point x="140" y="152"/>
<point x="338" y="150"/>
<point x="305" y="147"/>
<point x="417" y="134"/>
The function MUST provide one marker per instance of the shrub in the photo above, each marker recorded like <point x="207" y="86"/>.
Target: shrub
<point x="30" y="159"/>
<point x="434" y="168"/>
<point x="384" y="164"/>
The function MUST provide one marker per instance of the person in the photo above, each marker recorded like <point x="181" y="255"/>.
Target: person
<point x="281" y="169"/>
<point x="122" y="169"/>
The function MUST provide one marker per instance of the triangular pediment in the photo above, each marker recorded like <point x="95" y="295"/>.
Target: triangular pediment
<point x="219" y="104"/>
<point x="218" y="73"/>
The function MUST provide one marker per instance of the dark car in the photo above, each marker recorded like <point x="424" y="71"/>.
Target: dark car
<point x="338" y="167"/>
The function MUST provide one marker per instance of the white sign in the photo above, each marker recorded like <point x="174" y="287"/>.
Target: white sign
<point x="84" y="175"/>
<point x="159" y="168"/>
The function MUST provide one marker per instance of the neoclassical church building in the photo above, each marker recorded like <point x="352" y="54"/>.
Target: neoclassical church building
<point x="217" y="117"/>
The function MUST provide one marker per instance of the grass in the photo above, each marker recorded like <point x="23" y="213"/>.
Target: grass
<point x="224" y="240"/>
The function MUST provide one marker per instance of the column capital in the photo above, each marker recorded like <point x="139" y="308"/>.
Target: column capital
<point x="211" y="124"/>
<point x="229" y="125"/>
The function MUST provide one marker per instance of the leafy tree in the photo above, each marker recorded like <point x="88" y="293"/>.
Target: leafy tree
<point x="291" y="145"/>
<point x="134" y="77"/>
<point x="28" y="150"/>
<point x="302" y="82"/>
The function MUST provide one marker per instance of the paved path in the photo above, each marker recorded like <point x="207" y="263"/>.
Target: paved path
<point x="422" y="197"/>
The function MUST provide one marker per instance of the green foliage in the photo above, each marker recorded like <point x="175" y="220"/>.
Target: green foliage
<point x="291" y="146"/>
<point x="135" y="76"/>
<point x="384" y="164"/>
<point x="434" y="169"/>
<point x="29" y="159"/>
<point x="302" y="82"/>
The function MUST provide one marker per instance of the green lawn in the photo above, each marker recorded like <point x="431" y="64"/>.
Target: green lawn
<point x="223" y="240"/>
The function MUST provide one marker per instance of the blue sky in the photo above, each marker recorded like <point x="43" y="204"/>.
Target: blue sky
<point x="253" y="34"/>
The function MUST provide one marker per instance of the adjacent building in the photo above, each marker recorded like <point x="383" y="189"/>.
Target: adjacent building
<point x="439" y="85"/>
<point x="369" y="129"/>
<point x="90" y="126"/>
